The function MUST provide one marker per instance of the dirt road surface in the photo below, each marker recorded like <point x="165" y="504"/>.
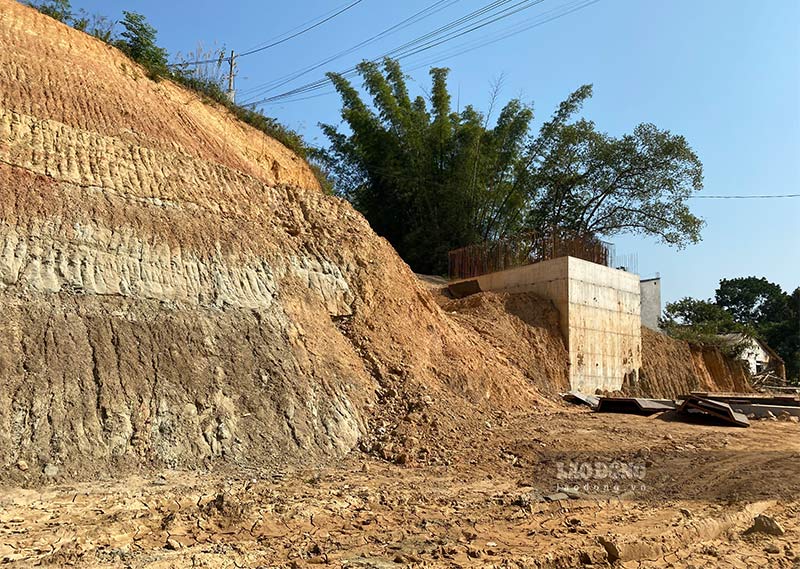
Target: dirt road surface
<point x="640" y="492"/>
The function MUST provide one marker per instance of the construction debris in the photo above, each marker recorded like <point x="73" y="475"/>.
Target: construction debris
<point x="757" y="407"/>
<point x="731" y="398"/>
<point x="634" y="405"/>
<point x="765" y="411"/>
<point x="731" y="408"/>
<point x="700" y="406"/>
<point x="581" y="399"/>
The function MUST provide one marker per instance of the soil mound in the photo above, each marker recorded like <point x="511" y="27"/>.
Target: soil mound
<point x="673" y="367"/>
<point x="176" y="290"/>
<point x="524" y="328"/>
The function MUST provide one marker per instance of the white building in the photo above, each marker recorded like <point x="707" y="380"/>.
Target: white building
<point x="757" y="355"/>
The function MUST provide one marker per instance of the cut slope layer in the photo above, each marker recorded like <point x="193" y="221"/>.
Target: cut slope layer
<point x="673" y="367"/>
<point x="177" y="290"/>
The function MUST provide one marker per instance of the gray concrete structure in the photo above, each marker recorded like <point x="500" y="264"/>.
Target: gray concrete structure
<point x="599" y="315"/>
<point x="650" y="292"/>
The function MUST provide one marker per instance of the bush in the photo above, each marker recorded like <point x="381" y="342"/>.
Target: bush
<point x="693" y="336"/>
<point x="138" y="42"/>
<point x="60" y="10"/>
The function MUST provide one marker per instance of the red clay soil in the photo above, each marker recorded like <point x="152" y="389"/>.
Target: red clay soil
<point x="195" y="339"/>
<point x="673" y="367"/>
<point x="522" y="327"/>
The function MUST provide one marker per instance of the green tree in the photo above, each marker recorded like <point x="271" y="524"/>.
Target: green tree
<point x="430" y="179"/>
<point x="138" y="41"/>
<point x="701" y="321"/>
<point x="750" y="305"/>
<point x="784" y="337"/>
<point x="773" y="314"/>
<point x="60" y="10"/>
<point x="590" y="182"/>
<point x="752" y="300"/>
<point x="702" y="315"/>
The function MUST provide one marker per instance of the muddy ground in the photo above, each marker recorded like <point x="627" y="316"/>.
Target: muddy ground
<point x="681" y="495"/>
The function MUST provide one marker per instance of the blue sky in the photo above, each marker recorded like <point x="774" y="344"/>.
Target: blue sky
<point x="726" y="74"/>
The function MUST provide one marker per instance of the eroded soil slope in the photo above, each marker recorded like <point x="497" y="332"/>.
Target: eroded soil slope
<point x="176" y="291"/>
<point x="671" y="368"/>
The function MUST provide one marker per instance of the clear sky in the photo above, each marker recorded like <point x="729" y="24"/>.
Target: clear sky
<point x="724" y="73"/>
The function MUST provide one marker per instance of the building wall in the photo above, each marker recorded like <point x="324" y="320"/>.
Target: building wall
<point x="605" y="331"/>
<point x="599" y="312"/>
<point x="650" y="291"/>
<point x="755" y="357"/>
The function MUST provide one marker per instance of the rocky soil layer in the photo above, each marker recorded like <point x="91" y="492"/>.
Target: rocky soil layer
<point x="177" y="291"/>
<point x="671" y="368"/>
<point x="694" y="496"/>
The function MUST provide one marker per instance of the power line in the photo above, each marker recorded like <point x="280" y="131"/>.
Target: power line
<point x="524" y="5"/>
<point x="326" y="18"/>
<point x="399" y="54"/>
<point x="324" y="81"/>
<point x="746" y="197"/>
<point x="513" y="30"/>
<point x="413" y="19"/>
<point x="539" y="20"/>
<point x="298" y="27"/>
<point x="303" y="31"/>
<point x="548" y="16"/>
<point x="465" y="25"/>
<point x="321" y="82"/>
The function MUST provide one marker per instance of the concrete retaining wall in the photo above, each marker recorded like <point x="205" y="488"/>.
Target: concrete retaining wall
<point x="605" y="335"/>
<point x="599" y="312"/>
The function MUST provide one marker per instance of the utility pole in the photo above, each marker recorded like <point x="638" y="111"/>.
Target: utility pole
<point x="231" y="75"/>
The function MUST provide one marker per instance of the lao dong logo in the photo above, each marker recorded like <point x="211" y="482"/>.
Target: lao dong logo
<point x="601" y="476"/>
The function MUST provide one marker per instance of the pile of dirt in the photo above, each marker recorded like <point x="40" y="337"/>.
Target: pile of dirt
<point x="673" y="367"/>
<point x="524" y="328"/>
<point x="176" y="290"/>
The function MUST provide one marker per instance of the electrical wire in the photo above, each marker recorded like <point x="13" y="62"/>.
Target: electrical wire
<point x="411" y="20"/>
<point x="298" y="27"/>
<point x="463" y="19"/>
<point x="518" y="28"/>
<point x="303" y="31"/>
<point x="325" y="18"/>
<point x="556" y="13"/>
<point x="459" y="28"/>
<point x="491" y="39"/>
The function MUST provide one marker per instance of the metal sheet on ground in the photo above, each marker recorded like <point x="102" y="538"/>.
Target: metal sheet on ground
<point x="581" y="398"/>
<point x="717" y="409"/>
<point x="634" y="405"/>
<point x="761" y="411"/>
<point x="782" y="400"/>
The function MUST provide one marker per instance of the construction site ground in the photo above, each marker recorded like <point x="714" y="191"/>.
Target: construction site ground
<point x="685" y="497"/>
